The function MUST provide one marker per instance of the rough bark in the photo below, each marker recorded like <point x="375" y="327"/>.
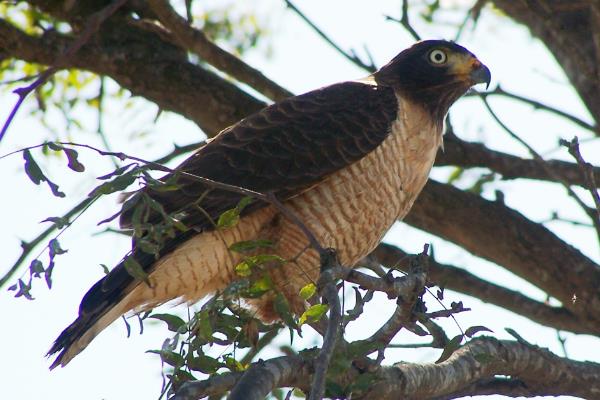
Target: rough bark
<point x="504" y="236"/>
<point x="471" y="370"/>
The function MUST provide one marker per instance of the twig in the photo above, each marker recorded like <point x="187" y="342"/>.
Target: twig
<point x="498" y="91"/>
<point x="404" y="21"/>
<point x="588" y="171"/>
<point x="92" y="25"/>
<point x="591" y="213"/>
<point x="460" y="280"/>
<point x="28" y="247"/>
<point x="329" y="292"/>
<point x="314" y="243"/>
<point x="351" y="57"/>
<point x="196" y="41"/>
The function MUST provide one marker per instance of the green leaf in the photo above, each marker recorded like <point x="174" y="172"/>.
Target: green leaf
<point x="55" y="249"/>
<point x="243" y="269"/>
<point x="133" y="268"/>
<point x="169" y="357"/>
<point x="36" y="268"/>
<point x="32" y="169"/>
<point x="48" y="274"/>
<point x="74" y="163"/>
<point x="234" y="365"/>
<point x="476" y="329"/>
<point x="118" y="171"/>
<point x="313" y="313"/>
<point x="204" y="364"/>
<point x="174" y="323"/>
<point x="116" y="185"/>
<point x="36" y="175"/>
<point x="22" y="288"/>
<point x="282" y="308"/>
<point x="249" y="245"/>
<point x="228" y="219"/>
<point x="451" y="347"/>
<point x="308" y="291"/>
<point x="204" y="326"/>
<point x="260" y="287"/>
<point x="266" y="258"/>
<point x="455" y="175"/>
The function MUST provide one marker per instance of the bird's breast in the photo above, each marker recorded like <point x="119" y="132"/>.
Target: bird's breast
<point x="353" y="208"/>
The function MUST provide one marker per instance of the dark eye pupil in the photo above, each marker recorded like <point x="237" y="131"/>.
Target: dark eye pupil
<point x="438" y="56"/>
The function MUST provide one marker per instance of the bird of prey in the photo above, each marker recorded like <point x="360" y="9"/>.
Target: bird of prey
<point x="347" y="159"/>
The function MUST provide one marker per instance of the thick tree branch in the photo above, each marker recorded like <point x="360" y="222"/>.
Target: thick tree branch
<point x="146" y="65"/>
<point x="479" y="361"/>
<point x="277" y="372"/>
<point x="470" y="370"/>
<point x="460" y="280"/>
<point x="506" y="237"/>
<point x="196" y="41"/>
<point x="174" y="84"/>
<point x="469" y="155"/>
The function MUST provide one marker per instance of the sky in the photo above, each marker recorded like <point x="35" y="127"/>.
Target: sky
<point x="115" y="367"/>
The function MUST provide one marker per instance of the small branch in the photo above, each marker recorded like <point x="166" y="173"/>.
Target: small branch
<point x="498" y="91"/>
<point x="28" y="247"/>
<point x="196" y="41"/>
<point x="588" y="171"/>
<point x="329" y="292"/>
<point x="458" y="279"/>
<point x="92" y="25"/>
<point x="404" y="21"/>
<point x="351" y="57"/>
<point x="543" y="164"/>
<point x="314" y="243"/>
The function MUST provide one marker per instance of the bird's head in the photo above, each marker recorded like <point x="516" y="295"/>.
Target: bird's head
<point x="434" y="73"/>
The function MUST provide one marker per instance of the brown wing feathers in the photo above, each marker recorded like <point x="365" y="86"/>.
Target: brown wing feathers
<point x="283" y="149"/>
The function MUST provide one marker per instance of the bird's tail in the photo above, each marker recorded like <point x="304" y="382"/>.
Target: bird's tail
<point x="75" y="338"/>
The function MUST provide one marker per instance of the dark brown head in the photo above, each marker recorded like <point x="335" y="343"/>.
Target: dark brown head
<point x="434" y="73"/>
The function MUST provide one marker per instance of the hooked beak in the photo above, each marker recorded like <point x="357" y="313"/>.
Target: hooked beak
<point x="481" y="74"/>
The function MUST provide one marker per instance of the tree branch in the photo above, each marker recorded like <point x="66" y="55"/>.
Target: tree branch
<point x="507" y="238"/>
<point x="460" y="280"/>
<point x="470" y="370"/>
<point x="196" y="41"/>
<point x="537" y="105"/>
<point x="92" y="25"/>
<point x="541" y="371"/>
<point x="142" y="62"/>
<point x="353" y="58"/>
<point x="469" y="155"/>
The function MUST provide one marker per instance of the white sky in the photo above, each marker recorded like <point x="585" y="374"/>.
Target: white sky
<point x="114" y="367"/>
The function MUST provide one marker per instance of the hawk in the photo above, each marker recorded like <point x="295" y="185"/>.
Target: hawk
<point x="348" y="160"/>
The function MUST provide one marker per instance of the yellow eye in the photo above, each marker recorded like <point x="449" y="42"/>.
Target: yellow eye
<point x="438" y="57"/>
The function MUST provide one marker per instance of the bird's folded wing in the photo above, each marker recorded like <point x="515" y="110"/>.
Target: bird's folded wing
<point x="285" y="148"/>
